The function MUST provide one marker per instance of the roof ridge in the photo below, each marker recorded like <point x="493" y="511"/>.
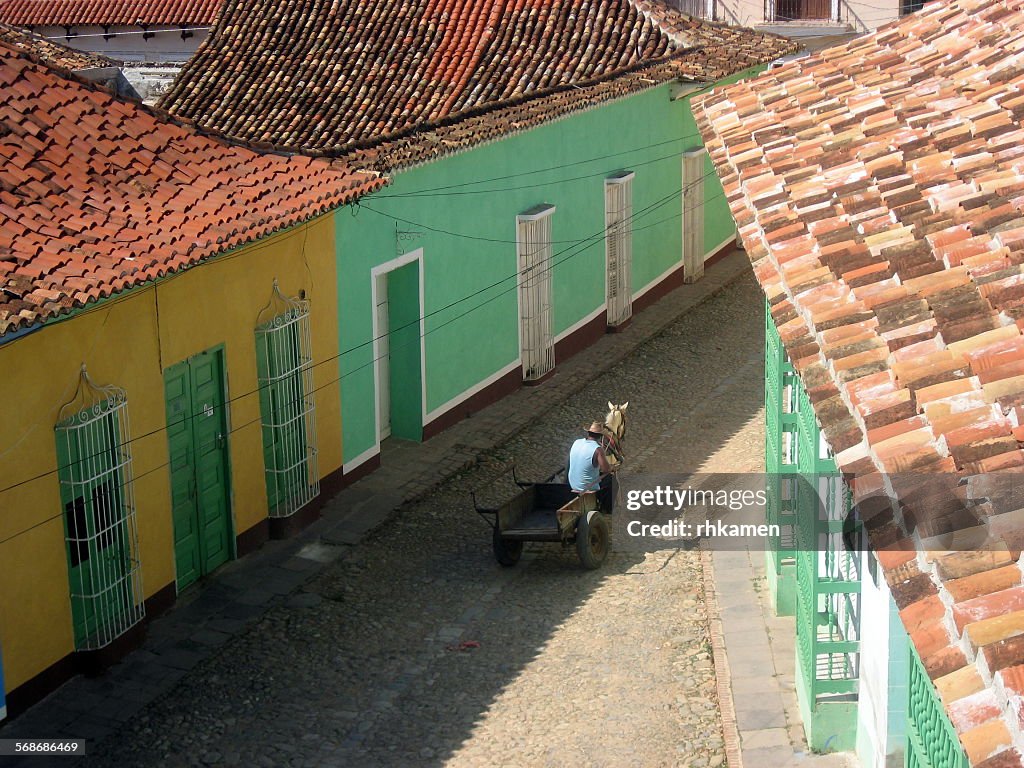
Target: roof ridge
<point x="257" y="77"/>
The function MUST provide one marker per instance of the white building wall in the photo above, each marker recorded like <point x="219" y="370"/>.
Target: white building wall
<point x="861" y="16"/>
<point x="881" y="726"/>
<point x="128" y="43"/>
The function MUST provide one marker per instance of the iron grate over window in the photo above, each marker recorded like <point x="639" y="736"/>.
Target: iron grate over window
<point x="618" y="212"/>
<point x="284" y="359"/>
<point x="693" y="213"/>
<point x="533" y="230"/>
<point x="100" y="531"/>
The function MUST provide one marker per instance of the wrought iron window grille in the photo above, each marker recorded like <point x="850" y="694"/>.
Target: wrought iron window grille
<point x="284" y="358"/>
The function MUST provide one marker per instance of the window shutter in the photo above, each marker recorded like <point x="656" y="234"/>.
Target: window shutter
<point x="693" y="215"/>
<point x="618" y="205"/>
<point x="535" y="305"/>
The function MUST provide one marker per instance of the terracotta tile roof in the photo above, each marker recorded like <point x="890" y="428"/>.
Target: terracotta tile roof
<point x="72" y="13"/>
<point x="879" y="189"/>
<point x="327" y="77"/>
<point x="50" y="52"/>
<point x="99" y="194"/>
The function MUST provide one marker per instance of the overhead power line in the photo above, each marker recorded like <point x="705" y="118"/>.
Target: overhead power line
<point x="581" y="246"/>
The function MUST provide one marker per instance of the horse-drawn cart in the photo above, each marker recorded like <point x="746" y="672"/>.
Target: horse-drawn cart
<point x="553" y="512"/>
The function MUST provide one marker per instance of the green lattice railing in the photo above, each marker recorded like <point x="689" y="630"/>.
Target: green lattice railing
<point x="827" y="575"/>
<point x="780" y="445"/>
<point x="809" y="502"/>
<point x="931" y="740"/>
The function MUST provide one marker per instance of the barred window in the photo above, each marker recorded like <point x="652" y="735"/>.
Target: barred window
<point x="95" y="473"/>
<point x="693" y="214"/>
<point x="618" y="215"/>
<point x="284" y="361"/>
<point x="536" y="326"/>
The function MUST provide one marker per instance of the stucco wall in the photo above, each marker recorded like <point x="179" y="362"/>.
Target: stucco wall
<point x="461" y="211"/>
<point x="861" y="16"/>
<point x="881" y="725"/>
<point x="128" y="44"/>
<point x="128" y="341"/>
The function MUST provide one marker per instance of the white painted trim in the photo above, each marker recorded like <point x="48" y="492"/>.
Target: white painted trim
<point x="375" y="272"/>
<point x="659" y="279"/>
<point x="361" y="459"/>
<point x="478" y="387"/>
<point x="678" y="265"/>
<point x="620" y="178"/>
<point x="580" y="323"/>
<point x="536" y="213"/>
<point x="720" y="246"/>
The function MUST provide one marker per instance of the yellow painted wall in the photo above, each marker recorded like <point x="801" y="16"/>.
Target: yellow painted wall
<point x="128" y="342"/>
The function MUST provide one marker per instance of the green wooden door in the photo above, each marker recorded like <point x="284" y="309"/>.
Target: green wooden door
<point x="197" y="437"/>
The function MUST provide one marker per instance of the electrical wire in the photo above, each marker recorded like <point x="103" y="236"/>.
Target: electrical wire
<point x="558" y="167"/>
<point x="583" y="246"/>
<point x="106" y="35"/>
<point x="250" y="423"/>
<point x="481" y="238"/>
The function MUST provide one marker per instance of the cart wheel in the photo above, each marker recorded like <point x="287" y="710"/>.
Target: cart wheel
<point x="593" y="540"/>
<point x="506" y="552"/>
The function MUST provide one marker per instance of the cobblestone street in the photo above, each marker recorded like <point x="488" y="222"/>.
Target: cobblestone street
<point x="418" y="649"/>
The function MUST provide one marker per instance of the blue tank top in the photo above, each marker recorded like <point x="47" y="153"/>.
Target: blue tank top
<point x="583" y="475"/>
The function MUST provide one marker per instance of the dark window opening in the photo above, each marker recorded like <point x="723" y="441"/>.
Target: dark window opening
<point x="105" y="511"/>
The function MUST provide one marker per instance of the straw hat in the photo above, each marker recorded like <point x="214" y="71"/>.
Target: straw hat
<point x="597" y="428"/>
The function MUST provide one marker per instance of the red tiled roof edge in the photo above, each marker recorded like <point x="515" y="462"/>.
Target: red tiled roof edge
<point x="964" y="610"/>
<point x="431" y="141"/>
<point x="411" y="145"/>
<point x="431" y="144"/>
<point x="50" y="52"/>
<point x="70" y="13"/>
<point x="46" y="269"/>
<point x="196" y="92"/>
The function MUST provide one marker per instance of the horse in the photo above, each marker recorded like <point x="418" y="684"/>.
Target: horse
<point x="614" y="432"/>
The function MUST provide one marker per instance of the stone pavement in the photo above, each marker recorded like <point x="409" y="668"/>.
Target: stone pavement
<point x="417" y="468"/>
<point x="761" y="658"/>
<point x="759" y="647"/>
<point x="253" y="590"/>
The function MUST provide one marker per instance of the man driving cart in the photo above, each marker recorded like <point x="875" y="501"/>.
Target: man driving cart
<point x="587" y="461"/>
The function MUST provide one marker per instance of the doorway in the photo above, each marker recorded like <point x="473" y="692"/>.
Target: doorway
<point x="198" y="441"/>
<point x="398" y="347"/>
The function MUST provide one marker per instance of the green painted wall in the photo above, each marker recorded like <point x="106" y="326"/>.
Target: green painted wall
<point x="461" y="210"/>
<point x="406" y="378"/>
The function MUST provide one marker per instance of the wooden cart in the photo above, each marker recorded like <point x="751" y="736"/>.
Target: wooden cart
<point x="553" y="512"/>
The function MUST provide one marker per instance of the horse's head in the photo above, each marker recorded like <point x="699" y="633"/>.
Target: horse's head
<point x="615" y="421"/>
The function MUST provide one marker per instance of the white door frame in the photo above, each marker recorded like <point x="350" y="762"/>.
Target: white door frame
<point x="375" y="273"/>
<point x="382" y="353"/>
